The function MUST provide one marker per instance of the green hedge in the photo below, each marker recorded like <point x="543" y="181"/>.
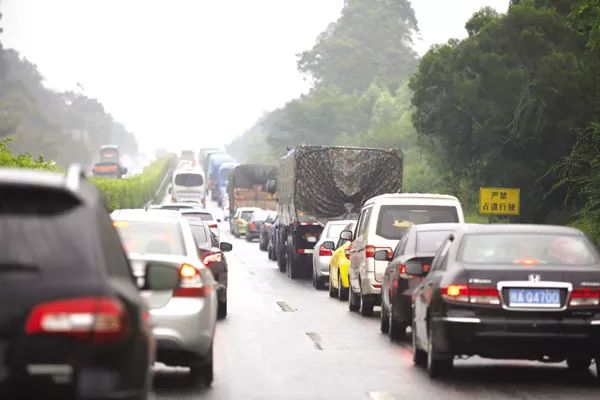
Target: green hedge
<point x="136" y="191"/>
<point x="9" y="160"/>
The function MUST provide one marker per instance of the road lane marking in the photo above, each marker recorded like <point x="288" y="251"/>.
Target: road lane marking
<point x="316" y="339"/>
<point x="285" y="306"/>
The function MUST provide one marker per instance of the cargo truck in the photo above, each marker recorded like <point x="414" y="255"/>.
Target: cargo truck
<point x="316" y="184"/>
<point x="109" y="165"/>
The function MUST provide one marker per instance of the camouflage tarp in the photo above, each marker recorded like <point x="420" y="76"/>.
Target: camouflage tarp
<point x="334" y="182"/>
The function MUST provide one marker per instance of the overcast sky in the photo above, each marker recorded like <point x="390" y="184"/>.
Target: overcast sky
<point x="189" y="73"/>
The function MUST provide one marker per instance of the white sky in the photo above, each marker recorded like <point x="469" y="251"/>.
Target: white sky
<point x="190" y="73"/>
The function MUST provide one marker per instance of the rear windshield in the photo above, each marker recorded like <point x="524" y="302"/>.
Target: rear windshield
<point x="151" y="237"/>
<point x="48" y="232"/>
<point x="176" y="207"/>
<point x="189" y="180"/>
<point x="187" y="155"/>
<point x="309" y="236"/>
<point x="199" y="232"/>
<point x="430" y="241"/>
<point x="526" y="249"/>
<point x="334" y="230"/>
<point x="203" y="216"/>
<point x="246" y="215"/>
<point x="395" y="219"/>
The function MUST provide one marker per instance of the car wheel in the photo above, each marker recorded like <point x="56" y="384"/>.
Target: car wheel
<point x="384" y="323"/>
<point x="419" y="356"/>
<point x="202" y="372"/>
<point x="281" y="262"/>
<point x="396" y="330"/>
<point x="437" y="364"/>
<point x="319" y="282"/>
<point x="366" y="305"/>
<point x="333" y="292"/>
<point x="222" y="310"/>
<point x="248" y="237"/>
<point x="342" y="291"/>
<point x="353" y="300"/>
<point x="579" y="364"/>
<point x="292" y="268"/>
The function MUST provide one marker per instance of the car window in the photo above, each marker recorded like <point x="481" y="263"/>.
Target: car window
<point x="200" y="235"/>
<point x="401" y="247"/>
<point x="143" y="237"/>
<point x="116" y="259"/>
<point x="430" y="241"/>
<point x="393" y="220"/>
<point x="189" y="180"/>
<point x="334" y="230"/>
<point x="441" y="257"/>
<point x="527" y="249"/>
<point x="246" y="215"/>
<point x="364" y="221"/>
<point x="203" y="216"/>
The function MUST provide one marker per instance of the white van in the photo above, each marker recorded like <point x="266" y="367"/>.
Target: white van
<point x="188" y="186"/>
<point x="382" y="222"/>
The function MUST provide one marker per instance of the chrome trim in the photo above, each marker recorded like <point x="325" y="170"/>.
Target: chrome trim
<point x="464" y="320"/>
<point x="592" y="284"/>
<point x="534" y="285"/>
<point x="481" y="281"/>
<point x="595" y="322"/>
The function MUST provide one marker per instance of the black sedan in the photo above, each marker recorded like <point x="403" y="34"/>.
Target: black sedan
<point x="418" y="245"/>
<point x="212" y="253"/>
<point x="509" y="292"/>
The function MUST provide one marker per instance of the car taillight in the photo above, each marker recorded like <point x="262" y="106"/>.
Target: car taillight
<point x="583" y="297"/>
<point x="252" y="226"/>
<point x="325" y="252"/>
<point x="473" y="295"/>
<point x="210" y="258"/>
<point x="100" y="320"/>
<point x="371" y="250"/>
<point x="213" y="226"/>
<point x="191" y="283"/>
<point x="348" y="252"/>
<point x="402" y="268"/>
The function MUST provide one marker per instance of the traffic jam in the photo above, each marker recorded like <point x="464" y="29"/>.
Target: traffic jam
<point x="94" y="301"/>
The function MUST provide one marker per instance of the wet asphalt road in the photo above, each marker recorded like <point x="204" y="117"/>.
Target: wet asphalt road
<point x="319" y="350"/>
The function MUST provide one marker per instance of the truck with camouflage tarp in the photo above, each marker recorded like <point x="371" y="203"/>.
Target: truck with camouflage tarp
<point x="247" y="187"/>
<point x="316" y="184"/>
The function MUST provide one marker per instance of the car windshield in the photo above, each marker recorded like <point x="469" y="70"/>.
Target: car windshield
<point x="334" y="230"/>
<point x="429" y="241"/>
<point x="144" y="237"/>
<point x="526" y="249"/>
<point x="203" y="216"/>
<point x="246" y="215"/>
<point x="394" y="220"/>
<point x="189" y="179"/>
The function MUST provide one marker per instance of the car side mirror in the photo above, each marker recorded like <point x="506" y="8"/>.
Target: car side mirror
<point x="161" y="277"/>
<point x="383" y="255"/>
<point x="225" y="247"/>
<point x="328" y="245"/>
<point x="346" y="235"/>
<point x="415" y="268"/>
<point x="218" y="219"/>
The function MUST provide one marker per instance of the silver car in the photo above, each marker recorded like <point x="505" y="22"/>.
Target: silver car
<point x="184" y="318"/>
<point x="324" y="250"/>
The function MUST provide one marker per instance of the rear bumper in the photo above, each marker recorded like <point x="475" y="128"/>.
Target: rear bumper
<point x="521" y="339"/>
<point x="185" y="326"/>
<point x="322" y="265"/>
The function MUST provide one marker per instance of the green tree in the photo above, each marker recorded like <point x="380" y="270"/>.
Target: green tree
<point x="370" y="41"/>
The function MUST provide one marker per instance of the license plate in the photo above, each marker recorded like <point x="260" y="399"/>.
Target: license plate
<point x="548" y="298"/>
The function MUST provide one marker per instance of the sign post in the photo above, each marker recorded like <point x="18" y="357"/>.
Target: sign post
<point x="499" y="201"/>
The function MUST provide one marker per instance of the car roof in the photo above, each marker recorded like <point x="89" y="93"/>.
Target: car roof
<point x="518" y="228"/>
<point x="411" y="196"/>
<point x="195" y="211"/>
<point x="188" y="170"/>
<point x="142" y="215"/>
<point x="340" y="221"/>
<point x="437" y="227"/>
<point x="190" y="206"/>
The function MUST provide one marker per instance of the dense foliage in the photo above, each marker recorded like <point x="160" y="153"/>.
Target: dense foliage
<point x="9" y="160"/>
<point x="136" y="191"/>
<point x="63" y="126"/>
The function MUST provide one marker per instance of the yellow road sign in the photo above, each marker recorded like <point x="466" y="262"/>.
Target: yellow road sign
<point x="499" y="201"/>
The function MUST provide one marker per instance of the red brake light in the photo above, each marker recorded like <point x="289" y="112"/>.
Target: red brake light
<point x="252" y="226"/>
<point x="370" y="251"/>
<point x="100" y="320"/>
<point x="325" y="252"/>
<point x="402" y="269"/>
<point x="582" y="297"/>
<point x="191" y="283"/>
<point x="210" y="258"/>
<point x="474" y="295"/>
<point x="214" y="226"/>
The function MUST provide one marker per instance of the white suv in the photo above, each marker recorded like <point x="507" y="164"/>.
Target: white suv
<point x="382" y="222"/>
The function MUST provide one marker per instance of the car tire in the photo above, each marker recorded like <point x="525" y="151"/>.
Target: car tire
<point x="333" y="292"/>
<point x="384" y="323"/>
<point x="366" y="305"/>
<point x="396" y="330"/>
<point x="438" y="365"/>
<point x="342" y="294"/>
<point x="282" y="262"/>
<point x="222" y="310"/>
<point x="292" y="268"/>
<point x="419" y="356"/>
<point x="248" y="237"/>
<point x="579" y="364"/>
<point x="318" y="281"/>
<point x="202" y="372"/>
<point x="353" y="300"/>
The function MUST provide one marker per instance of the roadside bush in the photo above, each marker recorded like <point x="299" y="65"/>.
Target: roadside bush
<point x="9" y="160"/>
<point x="136" y="191"/>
